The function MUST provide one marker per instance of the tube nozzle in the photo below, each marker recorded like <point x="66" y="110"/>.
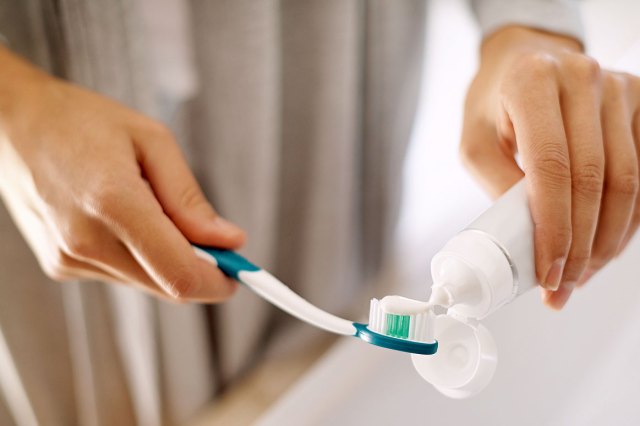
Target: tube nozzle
<point x="441" y="296"/>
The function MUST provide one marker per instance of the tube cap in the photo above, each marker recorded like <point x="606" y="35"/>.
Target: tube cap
<point x="466" y="358"/>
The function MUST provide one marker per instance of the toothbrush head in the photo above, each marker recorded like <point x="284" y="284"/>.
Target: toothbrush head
<point x="400" y="324"/>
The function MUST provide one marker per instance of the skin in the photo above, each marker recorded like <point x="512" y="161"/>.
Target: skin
<point x="102" y="192"/>
<point x="575" y="128"/>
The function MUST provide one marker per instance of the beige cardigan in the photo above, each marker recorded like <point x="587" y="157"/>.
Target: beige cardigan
<point x="299" y="113"/>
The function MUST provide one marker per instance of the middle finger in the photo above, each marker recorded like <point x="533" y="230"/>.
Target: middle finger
<point x="580" y="96"/>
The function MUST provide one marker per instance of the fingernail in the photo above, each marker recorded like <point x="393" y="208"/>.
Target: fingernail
<point x="554" y="275"/>
<point x="184" y="287"/>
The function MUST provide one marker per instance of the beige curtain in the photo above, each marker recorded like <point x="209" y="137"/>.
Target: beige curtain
<point x="295" y="116"/>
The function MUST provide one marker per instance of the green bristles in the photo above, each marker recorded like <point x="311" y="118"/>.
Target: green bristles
<point x="398" y="325"/>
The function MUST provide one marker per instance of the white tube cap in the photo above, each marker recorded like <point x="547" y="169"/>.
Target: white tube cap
<point x="466" y="358"/>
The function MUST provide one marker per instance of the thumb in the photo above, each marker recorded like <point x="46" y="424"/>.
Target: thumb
<point x="178" y="192"/>
<point x="492" y="164"/>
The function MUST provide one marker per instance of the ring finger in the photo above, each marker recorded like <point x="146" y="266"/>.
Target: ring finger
<point x="621" y="174"/>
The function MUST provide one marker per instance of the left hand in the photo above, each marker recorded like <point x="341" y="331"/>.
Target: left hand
<point x="576" y="128"/>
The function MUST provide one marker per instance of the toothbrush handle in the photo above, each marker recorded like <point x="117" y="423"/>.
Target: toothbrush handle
<point x="271" y="289"/>
<point x="229" y="262"/>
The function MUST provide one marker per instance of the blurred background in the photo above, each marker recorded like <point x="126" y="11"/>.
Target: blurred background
<point x="572" y="367"/>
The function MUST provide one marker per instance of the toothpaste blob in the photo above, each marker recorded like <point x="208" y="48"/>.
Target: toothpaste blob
<point x="402" y="318"/>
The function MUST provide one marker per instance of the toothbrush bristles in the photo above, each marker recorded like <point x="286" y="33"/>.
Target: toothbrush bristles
<point x="409" y="326"/>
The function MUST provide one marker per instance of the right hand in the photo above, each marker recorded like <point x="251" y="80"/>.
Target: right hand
<point x="576" y="129"/>
<point x="102" y="192"/>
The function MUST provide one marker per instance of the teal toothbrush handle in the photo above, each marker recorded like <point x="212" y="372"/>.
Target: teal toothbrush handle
<point x="229" y="262"/>
<point x="271" y="289"/>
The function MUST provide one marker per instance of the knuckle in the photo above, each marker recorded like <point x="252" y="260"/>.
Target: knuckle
<point x="615" y="84"/>
<point x="580" y="258"/>
<point x="105" y="201"/>
<point x="551" y="163"/>
<point x="159" y="131"/>
<point x="588" y="180"/>
<point x="80" y="245"/>
<point x="626" y="184"/>
<point x="563" y="235"/>
<point x="560" y="234"/>
<point x="584" y="68"/>
<point x="537" y="65"/>
<point x="555" y="168"/>
<point x="182" y="283"/>
<point x="103" y="197"/>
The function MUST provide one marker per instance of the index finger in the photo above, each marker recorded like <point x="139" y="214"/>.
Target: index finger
<point x="135" y="216"/>
<point x="534" y="109"/>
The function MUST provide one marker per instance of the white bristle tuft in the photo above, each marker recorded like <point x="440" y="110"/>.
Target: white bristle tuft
<point x="374" y="316"/>
<point x="420" y="328"/>
<point x="372" y="312"/>
<point x="412" y="327"/>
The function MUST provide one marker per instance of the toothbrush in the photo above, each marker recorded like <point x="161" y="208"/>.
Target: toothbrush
<point x="395" y="322"/>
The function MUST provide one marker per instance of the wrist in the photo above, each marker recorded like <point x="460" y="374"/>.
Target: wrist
<point x="511" y="42"/>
